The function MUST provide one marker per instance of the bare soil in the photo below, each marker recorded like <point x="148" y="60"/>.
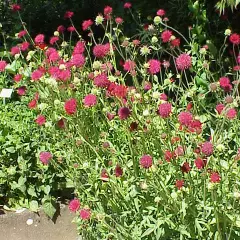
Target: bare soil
<point x="13" y="226"/>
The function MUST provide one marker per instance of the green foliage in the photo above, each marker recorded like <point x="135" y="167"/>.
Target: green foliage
<point x="23" y="181"/>
<point x="223" y="4"/>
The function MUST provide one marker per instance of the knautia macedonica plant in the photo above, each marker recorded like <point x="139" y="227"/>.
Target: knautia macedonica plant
<point x="146" y="128"/>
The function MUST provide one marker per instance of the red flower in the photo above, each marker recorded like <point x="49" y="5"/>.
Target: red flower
<point x="183" y="61"/>
<point x="110" y="116"/>
<point x="45" y="157"/>
<point x="104" y="175"/>
<point x="53" y="40"/>
<point x="179" y="184"/>
<point x="133" y="126"/>
<point x="24" y="46"/>
<point x="161" y="12"/>
<point x="61" y="28"/>
<point x="118" y="171"/>
<point x="61" y="123"/>
<point x="101" y="80"/>
<point x="207" y="148"/>
<point x="168" y="155"/>
<point x="124" y="113"/>
<point x="39" y="39"/>
<point x="154" y="66"/>
<point x="200" y="163"/>
<point x="107" y="10"/>
<point x="220" y="108"/>
<point x="68" y="14"/>
<point x="129" y="65"/>
<point x="36" y="75"/>
<point x="22" y="33"/>
<point x="21" y="91"/>
<point x="166" y="35"/>
<point x="118" y="20"/>
<point x="90" y="100"/>
<point x="146" y="161"/>
<point x="17" y="78"/>
<point x="70" y="106"/>
<point x="32" y="104"/>
<point x="15" y="50"/>
<point x="79" y="48"/>
<point x="186" y="167"/>
<point x="3" y="65"/>
<point x="215" y="177"/>
<point x="40" y="120"/>
<point x="231" y="113"/>
<point x="15" y="7"/>
<point x="175" y="42"/>
<point x="101" y="50"/>
<point x="225" y="84"/>
<point x="87" y="24"/>
<point x="127" y="5"/>
<point x="165" y="110"/>
<point x="85" y="214"/>
<point x="185" y="118"/>
<point x="234" y="38"/>
<point x="74" y="205"/>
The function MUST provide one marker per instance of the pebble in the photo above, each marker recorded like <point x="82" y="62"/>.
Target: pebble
<point x="29" y="221"/>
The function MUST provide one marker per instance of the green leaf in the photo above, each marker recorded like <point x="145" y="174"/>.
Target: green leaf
<point x="33" y="205"/>
<point x="49" y="207"/>
<point x="147" y="232"/>
<point x="10" y="149"/>
<point x="31" y="191"/>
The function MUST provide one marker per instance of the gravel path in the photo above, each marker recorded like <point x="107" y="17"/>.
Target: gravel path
<point x="13" y="226"/>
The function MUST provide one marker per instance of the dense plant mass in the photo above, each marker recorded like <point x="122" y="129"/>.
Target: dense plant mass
<point x="146" y="127"/>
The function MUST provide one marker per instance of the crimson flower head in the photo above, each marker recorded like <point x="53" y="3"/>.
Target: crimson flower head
<point x="234" y="38"/>
<point x="127" y="5"/>
<point x="231" y="113"/>
<point x="118" y="171"/>
<point x="85" y="214"/>
<point x="165" y="110"/>
<point x="220" y="108"/>
<point x="40" y="120"/>
<point x="225" y="84"/>
<point x="215" y="177"/>
<point x="146" y="161"/>
<point x="45" y="157"/>
<point x="154" y="66"/>
<point x="107" y="10"/>
<point x="185" y="118"/>
<point x="15" y="7"/>
<point x="161" y="12"/>
<point x="21" y="90"/>
<point x="39" y="39"/>
<point x="68" y="14"/>
<point x="200" y="163"/>
<point x="3" y="65"/>
<point x="118" y="20"/>
<point x="90" y="100"/>
<point x="74" y="205"/>
<point x="183" y="61"/>
<point x="87" y="24"/>
<point x="186" y="167"/>
<point x="104" y="175"/>
<point x="179" y="184"/>
<point x="124" y="113"/>
<point x="166" y="36"/>
<point x="207" y="148"/>
<point x="70" y="106"/>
